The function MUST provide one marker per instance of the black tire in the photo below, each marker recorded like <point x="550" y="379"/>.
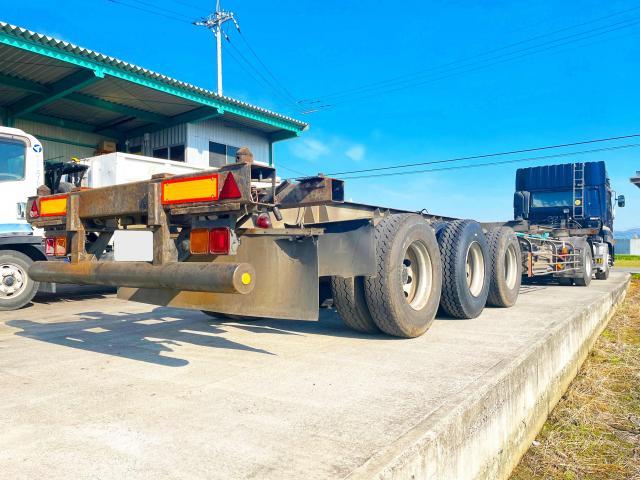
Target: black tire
<point x="438" y="226"/>
<point x="16" y="287"/>
<point x="351" y="305"/>
<point x="587" y="268"/>
<point x="505" y="267"/>
<point x="403" y="297"/>
<point x="459" y="239"/>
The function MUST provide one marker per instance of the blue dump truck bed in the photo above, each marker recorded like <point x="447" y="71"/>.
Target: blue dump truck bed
<point x="553" y="177"/>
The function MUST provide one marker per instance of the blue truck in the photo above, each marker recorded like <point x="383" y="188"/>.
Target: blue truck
<point x="563" y="216"/>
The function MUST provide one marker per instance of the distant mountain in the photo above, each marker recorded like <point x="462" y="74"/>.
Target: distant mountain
<point x="631" y="233"/>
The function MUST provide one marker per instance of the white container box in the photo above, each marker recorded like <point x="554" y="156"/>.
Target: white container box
<point x="117" y="168"/>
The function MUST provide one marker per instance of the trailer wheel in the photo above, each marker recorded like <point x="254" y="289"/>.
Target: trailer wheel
<point x="351" y="305"/>
<point x="587" y="268"/>
<point x="465" y="272"/>
<point x="505" y="267"/>
<point x="403" y="297"/>
<point x="16" y="287"/>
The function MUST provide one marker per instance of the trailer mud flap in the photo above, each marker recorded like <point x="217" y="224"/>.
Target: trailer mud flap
<point x="286" y="282"/>
<point x="347" y="249"/>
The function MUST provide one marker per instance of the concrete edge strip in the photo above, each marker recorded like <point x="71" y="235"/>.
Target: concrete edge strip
<point x="478" y="438"/>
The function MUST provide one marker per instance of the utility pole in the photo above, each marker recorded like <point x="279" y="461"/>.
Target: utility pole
<point x="214" y="23"/>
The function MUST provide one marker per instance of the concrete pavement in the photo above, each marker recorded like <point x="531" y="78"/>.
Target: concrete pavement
<point x="96" y="387"/>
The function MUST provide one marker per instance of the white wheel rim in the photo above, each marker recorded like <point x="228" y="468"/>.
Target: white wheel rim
<point x="510" y="267"/>
<point x="417" y="275"/>
<point x="13" y="280"/>
<point x="475" y="269"/>
<point x="587" y="266"/>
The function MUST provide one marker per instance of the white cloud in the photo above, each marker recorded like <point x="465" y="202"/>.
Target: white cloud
<point x="356" y="153"/>
<point x="309" y="149"/>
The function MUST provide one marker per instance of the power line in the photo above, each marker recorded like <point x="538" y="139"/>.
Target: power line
<point x="264" y="79"/>
<point x="403" y="79"/>
<point x="153" y="12"/>
<point x="268" y="70"/>
<point x="489" y="155"/>
<point x="466" y="70"/>
<point x="490" y="164"/>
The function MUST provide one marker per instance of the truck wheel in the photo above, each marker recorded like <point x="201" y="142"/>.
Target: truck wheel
<point x="403" y="297"/>
<point x="465" y="272"/>
<point x="587" y="268"/>
<point x="16" y="287"/>
<point x="351" y="305"/>
<point x="505" y="267"/>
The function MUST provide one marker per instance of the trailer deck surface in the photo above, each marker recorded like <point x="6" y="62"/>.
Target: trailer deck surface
<point x="95" y="387"/>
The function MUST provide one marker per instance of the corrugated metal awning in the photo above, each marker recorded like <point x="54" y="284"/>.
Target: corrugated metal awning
<point x="50" y="81"/>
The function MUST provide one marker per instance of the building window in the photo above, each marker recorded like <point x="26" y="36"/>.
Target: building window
<point x="221" y="154"/>
<point x="161" y="153"/>
<point x="175" y="153"/>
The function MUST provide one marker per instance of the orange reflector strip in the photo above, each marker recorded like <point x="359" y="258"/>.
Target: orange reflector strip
<point x="199" y="241"/>
<point x="192" y="189"/>
<point x="61" y="246"/>
<point x="53" y="206"/>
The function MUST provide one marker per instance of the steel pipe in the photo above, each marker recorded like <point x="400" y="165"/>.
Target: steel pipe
<point x="191" y="276"/>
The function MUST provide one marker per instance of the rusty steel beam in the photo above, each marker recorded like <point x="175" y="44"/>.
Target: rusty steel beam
<point x="190" y="276"/>
<point x="310" y="191"/>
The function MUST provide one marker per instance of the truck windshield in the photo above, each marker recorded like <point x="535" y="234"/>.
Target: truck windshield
<point x="12" y="159"/>
<point x="552" y="199"/>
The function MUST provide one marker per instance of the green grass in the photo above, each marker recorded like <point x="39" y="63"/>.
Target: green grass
<point x="627" y="260"/>
<point x="594" y="431"/>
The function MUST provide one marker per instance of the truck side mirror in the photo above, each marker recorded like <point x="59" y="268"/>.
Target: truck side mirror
<point x="621" y="201"/>
<point x="521" y="205"/>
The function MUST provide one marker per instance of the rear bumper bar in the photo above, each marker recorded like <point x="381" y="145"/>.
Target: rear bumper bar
<point x="193" y="276"/>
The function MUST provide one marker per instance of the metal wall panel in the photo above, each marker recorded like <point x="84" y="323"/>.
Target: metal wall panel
<point x="80" y="144"/>
<point x="200" y="134"/>
<point x="166" y="137"/>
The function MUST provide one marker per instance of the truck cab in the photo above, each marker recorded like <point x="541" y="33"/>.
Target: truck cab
<point x="21" y="172"/>
<point x="573" y="199"/>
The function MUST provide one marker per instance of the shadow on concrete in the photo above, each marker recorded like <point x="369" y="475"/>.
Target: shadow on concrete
<point x="141" y="336"/>
<point x="73" y="293"/>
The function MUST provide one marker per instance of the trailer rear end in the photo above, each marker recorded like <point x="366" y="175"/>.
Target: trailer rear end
<point x="234" y="241"/>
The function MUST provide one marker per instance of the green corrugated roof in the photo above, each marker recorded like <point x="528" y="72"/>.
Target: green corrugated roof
<point x="61" y="50"/>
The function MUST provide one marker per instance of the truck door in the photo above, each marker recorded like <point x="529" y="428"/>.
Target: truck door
<point x="20" y="175"/>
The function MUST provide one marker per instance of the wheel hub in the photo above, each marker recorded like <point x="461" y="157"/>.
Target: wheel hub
<point x="416" y="275"/>
<point x="12" y="280"/>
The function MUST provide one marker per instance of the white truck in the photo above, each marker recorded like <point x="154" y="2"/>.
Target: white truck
<point x="22" y="171"/>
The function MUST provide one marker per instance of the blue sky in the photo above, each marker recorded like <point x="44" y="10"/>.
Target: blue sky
<point x="580" y="90"/>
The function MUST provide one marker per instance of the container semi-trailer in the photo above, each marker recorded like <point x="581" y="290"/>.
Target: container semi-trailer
<point x="235" y="241"/>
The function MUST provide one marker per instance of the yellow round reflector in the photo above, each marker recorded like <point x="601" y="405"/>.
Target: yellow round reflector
<point x="246" y="278"/>
<point x="578" y="203"/>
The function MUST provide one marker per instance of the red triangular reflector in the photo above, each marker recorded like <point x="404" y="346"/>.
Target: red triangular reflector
<point x="34" y="212"/>
<point x="230" y="188"/>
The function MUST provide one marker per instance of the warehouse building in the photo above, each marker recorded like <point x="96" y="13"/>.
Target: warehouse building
<point x="80" y="103"/>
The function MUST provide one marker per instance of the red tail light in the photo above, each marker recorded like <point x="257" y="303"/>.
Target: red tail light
<point x="230" y="188"/>
<point x="219" y="241"/>
<point x="49" y="246"/>
<point x="263" y="221"/>
<point x="34" y="212"/>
